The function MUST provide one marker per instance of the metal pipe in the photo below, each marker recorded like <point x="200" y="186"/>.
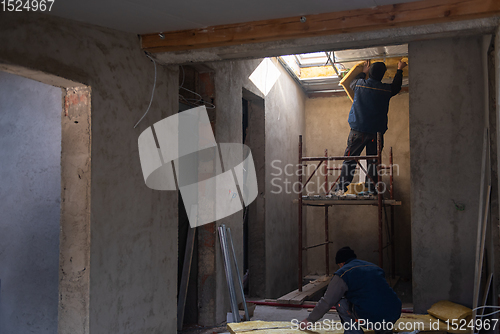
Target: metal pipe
<point x="379" y="194"/>
<point x="393" y="239"/>
<point x="334" y="183"/>
<point x="325" y="185"/>
<point x="309" y="179"/>
<point x="339" y="168"/>
<point x="229" y="274"/>
<point x="240" y="284"/>
<point x="285" y="305"/>
<point x="361" y="157"/>
<point x="301" y="167"/>
<point x="327" y="244"/>
<point x="404" y="310"/>
<point x="317" y="245"/>
<point x="235" y="309"/>
<point x="332" y="62"/>
<point x="391" y="171"/>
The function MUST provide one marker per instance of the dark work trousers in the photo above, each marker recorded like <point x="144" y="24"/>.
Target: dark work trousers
<point x="356" y="142"/>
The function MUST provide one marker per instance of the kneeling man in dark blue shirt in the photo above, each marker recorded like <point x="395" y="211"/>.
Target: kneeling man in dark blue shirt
<point x="361" y="295"/>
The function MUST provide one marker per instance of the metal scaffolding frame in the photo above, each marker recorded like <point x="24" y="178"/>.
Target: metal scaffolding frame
<point x="380" y="202"/>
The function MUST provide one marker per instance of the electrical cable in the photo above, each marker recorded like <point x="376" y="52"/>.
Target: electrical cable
<point x="484" y="307"/>
<point x="152" y="93"/>
<point x="199" y="100"/>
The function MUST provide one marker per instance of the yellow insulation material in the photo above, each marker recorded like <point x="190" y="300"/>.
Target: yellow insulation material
<point x="449" y="311"/>
<point x="346" y="81"/>
<point x="407" y="323"/>
<point x="356" y="188"/>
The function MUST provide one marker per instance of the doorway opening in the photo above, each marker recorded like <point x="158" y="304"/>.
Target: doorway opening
<point x="45" y="164"/>
<point x="254" y="218"/>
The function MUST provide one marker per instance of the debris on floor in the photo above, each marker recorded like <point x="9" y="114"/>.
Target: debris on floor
<point x="195" y="329"/>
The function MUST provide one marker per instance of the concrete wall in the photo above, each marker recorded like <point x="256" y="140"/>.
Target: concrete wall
<point x="30" y="197"/>
<point x="357" y="227"/>
<point x="446" y="140"/>
<point x="284" y="121"/>
<point x="133" y="229"/>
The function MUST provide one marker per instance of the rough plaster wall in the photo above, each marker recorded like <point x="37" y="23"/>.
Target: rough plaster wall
<point x="285" y="121"/>
<point x="133" y="228"/>
<point x="446" y="131"/>
<point x="357" y="227"/>
<point x="74" y="239"/>
<point x="284" y="113"/>
<point x="30" y="196"/>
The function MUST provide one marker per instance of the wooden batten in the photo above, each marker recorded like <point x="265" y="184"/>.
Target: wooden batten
<point x="366" y="19"/>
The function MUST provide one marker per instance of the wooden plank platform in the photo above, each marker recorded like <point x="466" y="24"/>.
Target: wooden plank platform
<point x="297" y="297"/>
<point x="354" y="201"/>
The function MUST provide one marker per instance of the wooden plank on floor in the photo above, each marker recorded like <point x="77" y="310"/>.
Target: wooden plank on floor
<point x="346" y="201"/>
<point x="297" y="297"/>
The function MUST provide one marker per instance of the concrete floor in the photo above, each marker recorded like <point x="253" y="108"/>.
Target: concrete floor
<point x="272" y="313"/>
<point x="264" y="313"/>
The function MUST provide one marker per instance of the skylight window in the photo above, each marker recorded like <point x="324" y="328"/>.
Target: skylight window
<point x="322" y="71"/>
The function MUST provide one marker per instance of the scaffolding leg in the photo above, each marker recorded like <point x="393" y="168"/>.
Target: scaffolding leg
<point x="393" y="239"/>
<point x="300" y="167"/>
<point x="379" y="194"/>
<point x="327" y="243"/>
<point x="393" y="246"/>
<point x="327" y="237"/>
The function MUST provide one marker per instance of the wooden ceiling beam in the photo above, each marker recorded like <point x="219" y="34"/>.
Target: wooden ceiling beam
<point x="366" y="19"/>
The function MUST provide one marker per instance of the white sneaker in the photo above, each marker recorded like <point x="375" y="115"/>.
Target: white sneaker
<point x="339" y="193"/>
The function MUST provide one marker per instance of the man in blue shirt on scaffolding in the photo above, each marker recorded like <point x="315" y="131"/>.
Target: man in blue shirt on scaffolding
<point x="368" y="116"/>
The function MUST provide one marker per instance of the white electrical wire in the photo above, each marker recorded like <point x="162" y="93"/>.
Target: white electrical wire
<point x="199" y="100"/>
<point x="484" y="307"/>
<point x="152" y="94"/>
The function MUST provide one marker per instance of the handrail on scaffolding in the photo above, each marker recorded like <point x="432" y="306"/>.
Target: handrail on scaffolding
<point x="380" y="201"/>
